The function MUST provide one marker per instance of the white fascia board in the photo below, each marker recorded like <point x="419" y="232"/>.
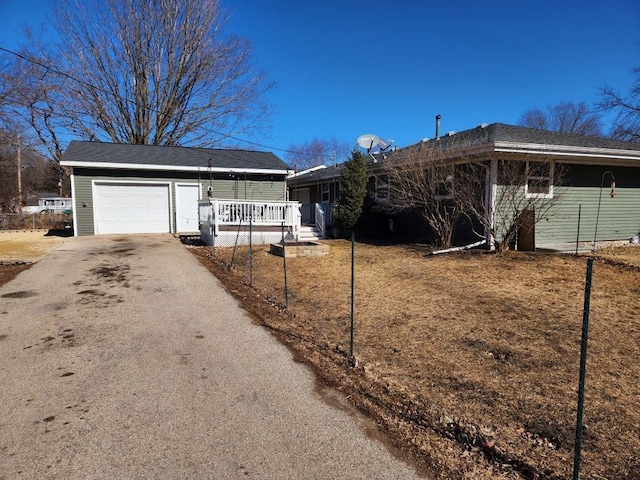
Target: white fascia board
<point x="308" y="170"/>
<point x="174" y="168"/>
<point x="568" y="151"/>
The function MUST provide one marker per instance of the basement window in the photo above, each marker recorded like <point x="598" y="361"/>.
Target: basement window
<point x="539" y="182"/>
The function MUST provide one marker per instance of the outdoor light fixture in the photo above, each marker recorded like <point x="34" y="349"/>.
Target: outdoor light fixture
<point x="612" y="195"/>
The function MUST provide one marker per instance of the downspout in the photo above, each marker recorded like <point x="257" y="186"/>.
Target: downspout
<point x="491" y="190"/>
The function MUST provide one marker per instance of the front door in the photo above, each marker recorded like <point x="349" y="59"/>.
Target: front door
<point x="527" y="232"/>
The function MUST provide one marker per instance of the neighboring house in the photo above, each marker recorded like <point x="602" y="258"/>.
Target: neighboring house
<point x="588" y="164"/>
<point x="120" y="188"/>
<point x="47" y="202"/>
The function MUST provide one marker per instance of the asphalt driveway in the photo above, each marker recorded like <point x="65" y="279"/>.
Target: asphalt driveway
<point x="121" y="357"/>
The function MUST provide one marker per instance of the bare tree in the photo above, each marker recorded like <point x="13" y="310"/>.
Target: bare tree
<point x="626" y="125"/>
<point x="565" y="117"/>
<point x="520" y="194"/>
<point x="133" y="71"/>
<point x="23" y="171"/>
<point x="32" y="101"/>
<point x="38" y="105"/>
<point x="421" y="178"/>
<point x="446" y="179"/>
<point x="317" y="152"/>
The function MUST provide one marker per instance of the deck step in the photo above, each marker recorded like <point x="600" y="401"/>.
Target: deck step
<point x="310" y="233"/>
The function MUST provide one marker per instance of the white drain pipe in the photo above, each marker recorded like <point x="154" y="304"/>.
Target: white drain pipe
<point x="457" y="249"/>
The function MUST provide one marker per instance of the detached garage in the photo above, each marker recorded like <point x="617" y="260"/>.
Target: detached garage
<point x="120" y="189"/>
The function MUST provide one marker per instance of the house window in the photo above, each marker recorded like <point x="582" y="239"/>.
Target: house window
<point x="539" y="180"/>
<point x="382" y="188"/>
<point x="325" y="193"/>
<point x="444" y="188"/>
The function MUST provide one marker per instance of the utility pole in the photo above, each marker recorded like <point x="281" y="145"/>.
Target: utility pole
<point x="19" y="177"/>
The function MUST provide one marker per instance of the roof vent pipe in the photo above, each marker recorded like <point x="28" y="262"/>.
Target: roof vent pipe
<point x="438" y="117"/>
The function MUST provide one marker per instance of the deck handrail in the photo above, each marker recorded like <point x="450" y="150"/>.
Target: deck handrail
<point x="221" y="212"/>
<point x="320" y="219"/>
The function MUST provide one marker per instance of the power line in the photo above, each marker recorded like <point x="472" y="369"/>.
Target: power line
<point x="50" y="68"/>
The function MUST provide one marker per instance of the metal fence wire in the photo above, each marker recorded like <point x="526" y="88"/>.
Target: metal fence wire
<point x="33" y="221"/>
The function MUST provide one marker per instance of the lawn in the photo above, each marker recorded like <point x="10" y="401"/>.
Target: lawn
<point x="468" y="362"/>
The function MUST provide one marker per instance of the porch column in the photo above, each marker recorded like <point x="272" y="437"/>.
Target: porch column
<point x="491" y="193"/>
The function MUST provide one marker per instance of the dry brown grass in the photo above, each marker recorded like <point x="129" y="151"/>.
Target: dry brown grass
<point x="469" y="360"/>
<point x="28" y="245"/>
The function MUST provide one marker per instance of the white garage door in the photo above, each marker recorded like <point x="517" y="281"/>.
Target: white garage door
<point x="131" y="208"/>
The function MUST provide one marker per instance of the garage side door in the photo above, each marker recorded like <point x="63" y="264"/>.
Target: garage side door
<point x="187" y="196"/>
<point x="131" y="208"/>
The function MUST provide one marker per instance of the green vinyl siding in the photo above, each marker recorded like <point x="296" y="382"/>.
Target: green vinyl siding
<point x="578" y="197"/>
<point x="83" y="206"/>
<point x="224" y="186"/>
<point x="247" y="187"/>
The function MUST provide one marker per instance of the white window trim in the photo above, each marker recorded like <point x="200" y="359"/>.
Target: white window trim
<point x="533" y="177"/>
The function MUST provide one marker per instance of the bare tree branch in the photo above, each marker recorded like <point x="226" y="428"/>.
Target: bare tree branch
<point x="317" y="152"/>
<point x="565" y="117"/>
<point x="626" y="125"/>
<point x="421" y="178"/>
<point x="444" y="180"/>
<point x="497" y="193"/>
<point x="135" y="71"/>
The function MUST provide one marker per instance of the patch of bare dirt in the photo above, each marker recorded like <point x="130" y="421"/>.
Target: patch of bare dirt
<point x="468" y="362"/>
<point x="9" y="272"/>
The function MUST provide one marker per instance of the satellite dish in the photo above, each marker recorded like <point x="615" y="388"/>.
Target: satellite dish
<point x="368" y="141"/>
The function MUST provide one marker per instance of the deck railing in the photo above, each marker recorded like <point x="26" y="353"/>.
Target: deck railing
<point x="215" y="215"/>
<point x="308" y="211"/>
<point x="320" y="220"/>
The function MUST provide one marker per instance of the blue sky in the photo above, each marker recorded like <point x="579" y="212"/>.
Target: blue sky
<point x="348" y="67"/>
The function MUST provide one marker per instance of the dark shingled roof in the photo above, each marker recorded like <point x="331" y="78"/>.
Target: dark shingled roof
<point x="150" y="155"/>
<point x="501" y="132"/>
<point x="485" y="135"/>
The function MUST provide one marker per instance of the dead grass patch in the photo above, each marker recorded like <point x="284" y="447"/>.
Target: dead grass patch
<point x="469" y="361"/>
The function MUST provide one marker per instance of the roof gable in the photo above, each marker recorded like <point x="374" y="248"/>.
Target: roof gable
<point x="110" y="155"/>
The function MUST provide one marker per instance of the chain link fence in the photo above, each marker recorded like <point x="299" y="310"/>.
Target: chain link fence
<point x="35" y="221"/>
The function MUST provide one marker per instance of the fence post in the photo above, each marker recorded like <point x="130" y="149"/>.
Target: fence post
<point x="250" y="249"/>
<point x="352" y="359"/>
<point x="216" y="216"/>
<point x="578" y="234"/>
<point x="583" y="369"/>
<point x="284" y="263"/>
